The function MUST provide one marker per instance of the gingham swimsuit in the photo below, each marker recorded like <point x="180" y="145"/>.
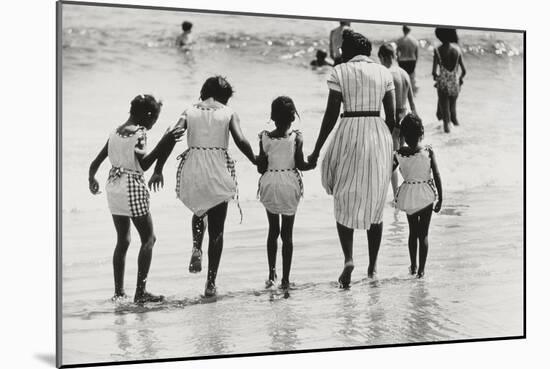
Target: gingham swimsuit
<point x="127" y="193"/>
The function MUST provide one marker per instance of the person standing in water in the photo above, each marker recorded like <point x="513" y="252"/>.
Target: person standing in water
<point x="185" y="38"/>
<point x="335" y="42"/>
<point x="407" y="54"/>
<point x="280" y="187"/>
<point x="403" y="93"/>
<point x="447" y="58"/>
<point x="357" y="166"/>
<point x="127" y="194"/>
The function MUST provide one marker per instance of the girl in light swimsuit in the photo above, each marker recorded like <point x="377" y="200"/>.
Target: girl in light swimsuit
<point x="417" y="194"/>
<point x="447" y="58"/>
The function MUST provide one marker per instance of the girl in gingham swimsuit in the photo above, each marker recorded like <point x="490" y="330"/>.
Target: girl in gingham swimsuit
<point x="127" y="193"/>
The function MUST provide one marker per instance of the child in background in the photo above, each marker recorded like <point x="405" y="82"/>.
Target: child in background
<point x="206" y="178"/>
<point x="185" y="38"/>
<point x="127" y="193"/>
<point x="320" y="59"/>
<point x="416" y="195"/>
<point x="403" y="93"/>
<point x="280" y="187"/>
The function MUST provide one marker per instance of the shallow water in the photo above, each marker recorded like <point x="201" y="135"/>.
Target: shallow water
<point x="474" y="282"/>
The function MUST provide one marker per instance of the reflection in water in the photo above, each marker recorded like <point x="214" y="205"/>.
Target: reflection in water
<point x="283" y="328"/>
<point x="212" y="333"/>
<point x="123" y="341"/>
<point x="375" y="314"/>
<point x="425" y="314"/>
<point x="146" y="337"/>
<point x="347" y="315"/>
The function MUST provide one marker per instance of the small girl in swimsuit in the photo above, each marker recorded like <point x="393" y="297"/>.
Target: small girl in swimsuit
<point x="280" y="187"/>
<point x="206" y="180"/>
<point x="416" y="195"/>
<point x="447" y="58"/>
<point x="127" y="193"/>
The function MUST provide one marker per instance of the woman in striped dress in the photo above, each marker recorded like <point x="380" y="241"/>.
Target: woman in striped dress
<point x="357" y="165"/>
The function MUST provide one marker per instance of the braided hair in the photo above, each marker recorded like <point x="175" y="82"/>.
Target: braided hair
<point x="144" y="110"/>
<point x="353" y="44"/>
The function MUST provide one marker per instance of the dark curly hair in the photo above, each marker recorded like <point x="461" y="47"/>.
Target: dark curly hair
<point x="283" y="111"/>
<point x="145" y="109"/>
<point x="186" y="26"/>
<point x="412" y="129"/>
<point x="218" y="88"/>
<point x="353" y="44"/>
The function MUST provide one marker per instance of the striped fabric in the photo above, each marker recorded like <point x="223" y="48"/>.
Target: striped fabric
<point x="357" y="165"/>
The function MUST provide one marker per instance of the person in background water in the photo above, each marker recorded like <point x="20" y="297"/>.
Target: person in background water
<point x="407" y="54"/>
<point x="127" y="194"/>
<point x="335" y="42"/>
<point x="446" y="60"/>
<point x="185" y="39"/>
<point x="403" y="93"/>
<point x="416" y="195"/>
<point x="357" y="166"/>
<point x="320" y="59"/>
<point x="206" y="179"/>
<point x="280" y="187"/>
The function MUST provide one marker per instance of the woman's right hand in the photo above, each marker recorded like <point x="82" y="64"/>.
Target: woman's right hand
<point x="437" y="206"/>
<point x="93" y="185"/>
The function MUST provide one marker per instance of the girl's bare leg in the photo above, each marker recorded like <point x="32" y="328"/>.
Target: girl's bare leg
<point x="413" y="240"/>
<point x="424" y="218"/>
<point x="198" y="228"/>
<point x="216" y="224"/>
<point x="272" y="239"/>
<point x="122" y="226"/>
<point x="288" y="247"/>
<point x="144" y="226"/>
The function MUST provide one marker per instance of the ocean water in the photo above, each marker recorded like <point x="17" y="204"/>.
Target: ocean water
<point x="474" y="282"/>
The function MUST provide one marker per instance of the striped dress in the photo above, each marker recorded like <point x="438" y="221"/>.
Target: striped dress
<point x="357" y="165"/>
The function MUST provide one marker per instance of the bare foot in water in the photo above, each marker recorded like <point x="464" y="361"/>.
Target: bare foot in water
<point x="118" y="297"/>
<point x="210" y="289"/>
<point x="371" y="272"/>
<point x="345" y="278"/>
<point x="147" y="297"/>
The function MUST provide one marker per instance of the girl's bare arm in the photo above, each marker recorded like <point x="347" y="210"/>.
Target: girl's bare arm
<point x="437" y="180"/>
<point x="164" y="146"/>
<point x="301" y="164"/>
<point x="462" y="67"/>
<point x="389" y="109"/>
<point x="241" y="141"/>
<point x="434" y="66"/>
<point x="94" y="166"/>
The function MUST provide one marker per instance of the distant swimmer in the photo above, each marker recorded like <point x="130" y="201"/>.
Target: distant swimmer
<point x="320" y="59"/>
<point x="407" y="54"/>
<point x="185" y="39"/>
<point x="335" y="42"/>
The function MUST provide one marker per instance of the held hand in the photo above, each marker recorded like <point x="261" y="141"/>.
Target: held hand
<point x="437" y="206"/>
<point x="94" y="186"/>
<point x="461" y="81"/>
<point x="312" y="159"/>
<point x="156" y="182"/>
<point x="174" y="133"/>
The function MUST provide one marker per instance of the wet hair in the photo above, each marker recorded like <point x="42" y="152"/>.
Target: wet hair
<point x="145" y="110"/>
<point x="321" y="54"/>
<point x="386" y="51"/>
<point x="412" y="129"/>
<point x="218" y="88"/>
<point x="353" y="44"/>
<point x="446" y="34"/>
<point x="186" y="26"/>
<point x="283" y="110"/>
<point x="345" y="23"/>
<point x="406" y="29"/>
